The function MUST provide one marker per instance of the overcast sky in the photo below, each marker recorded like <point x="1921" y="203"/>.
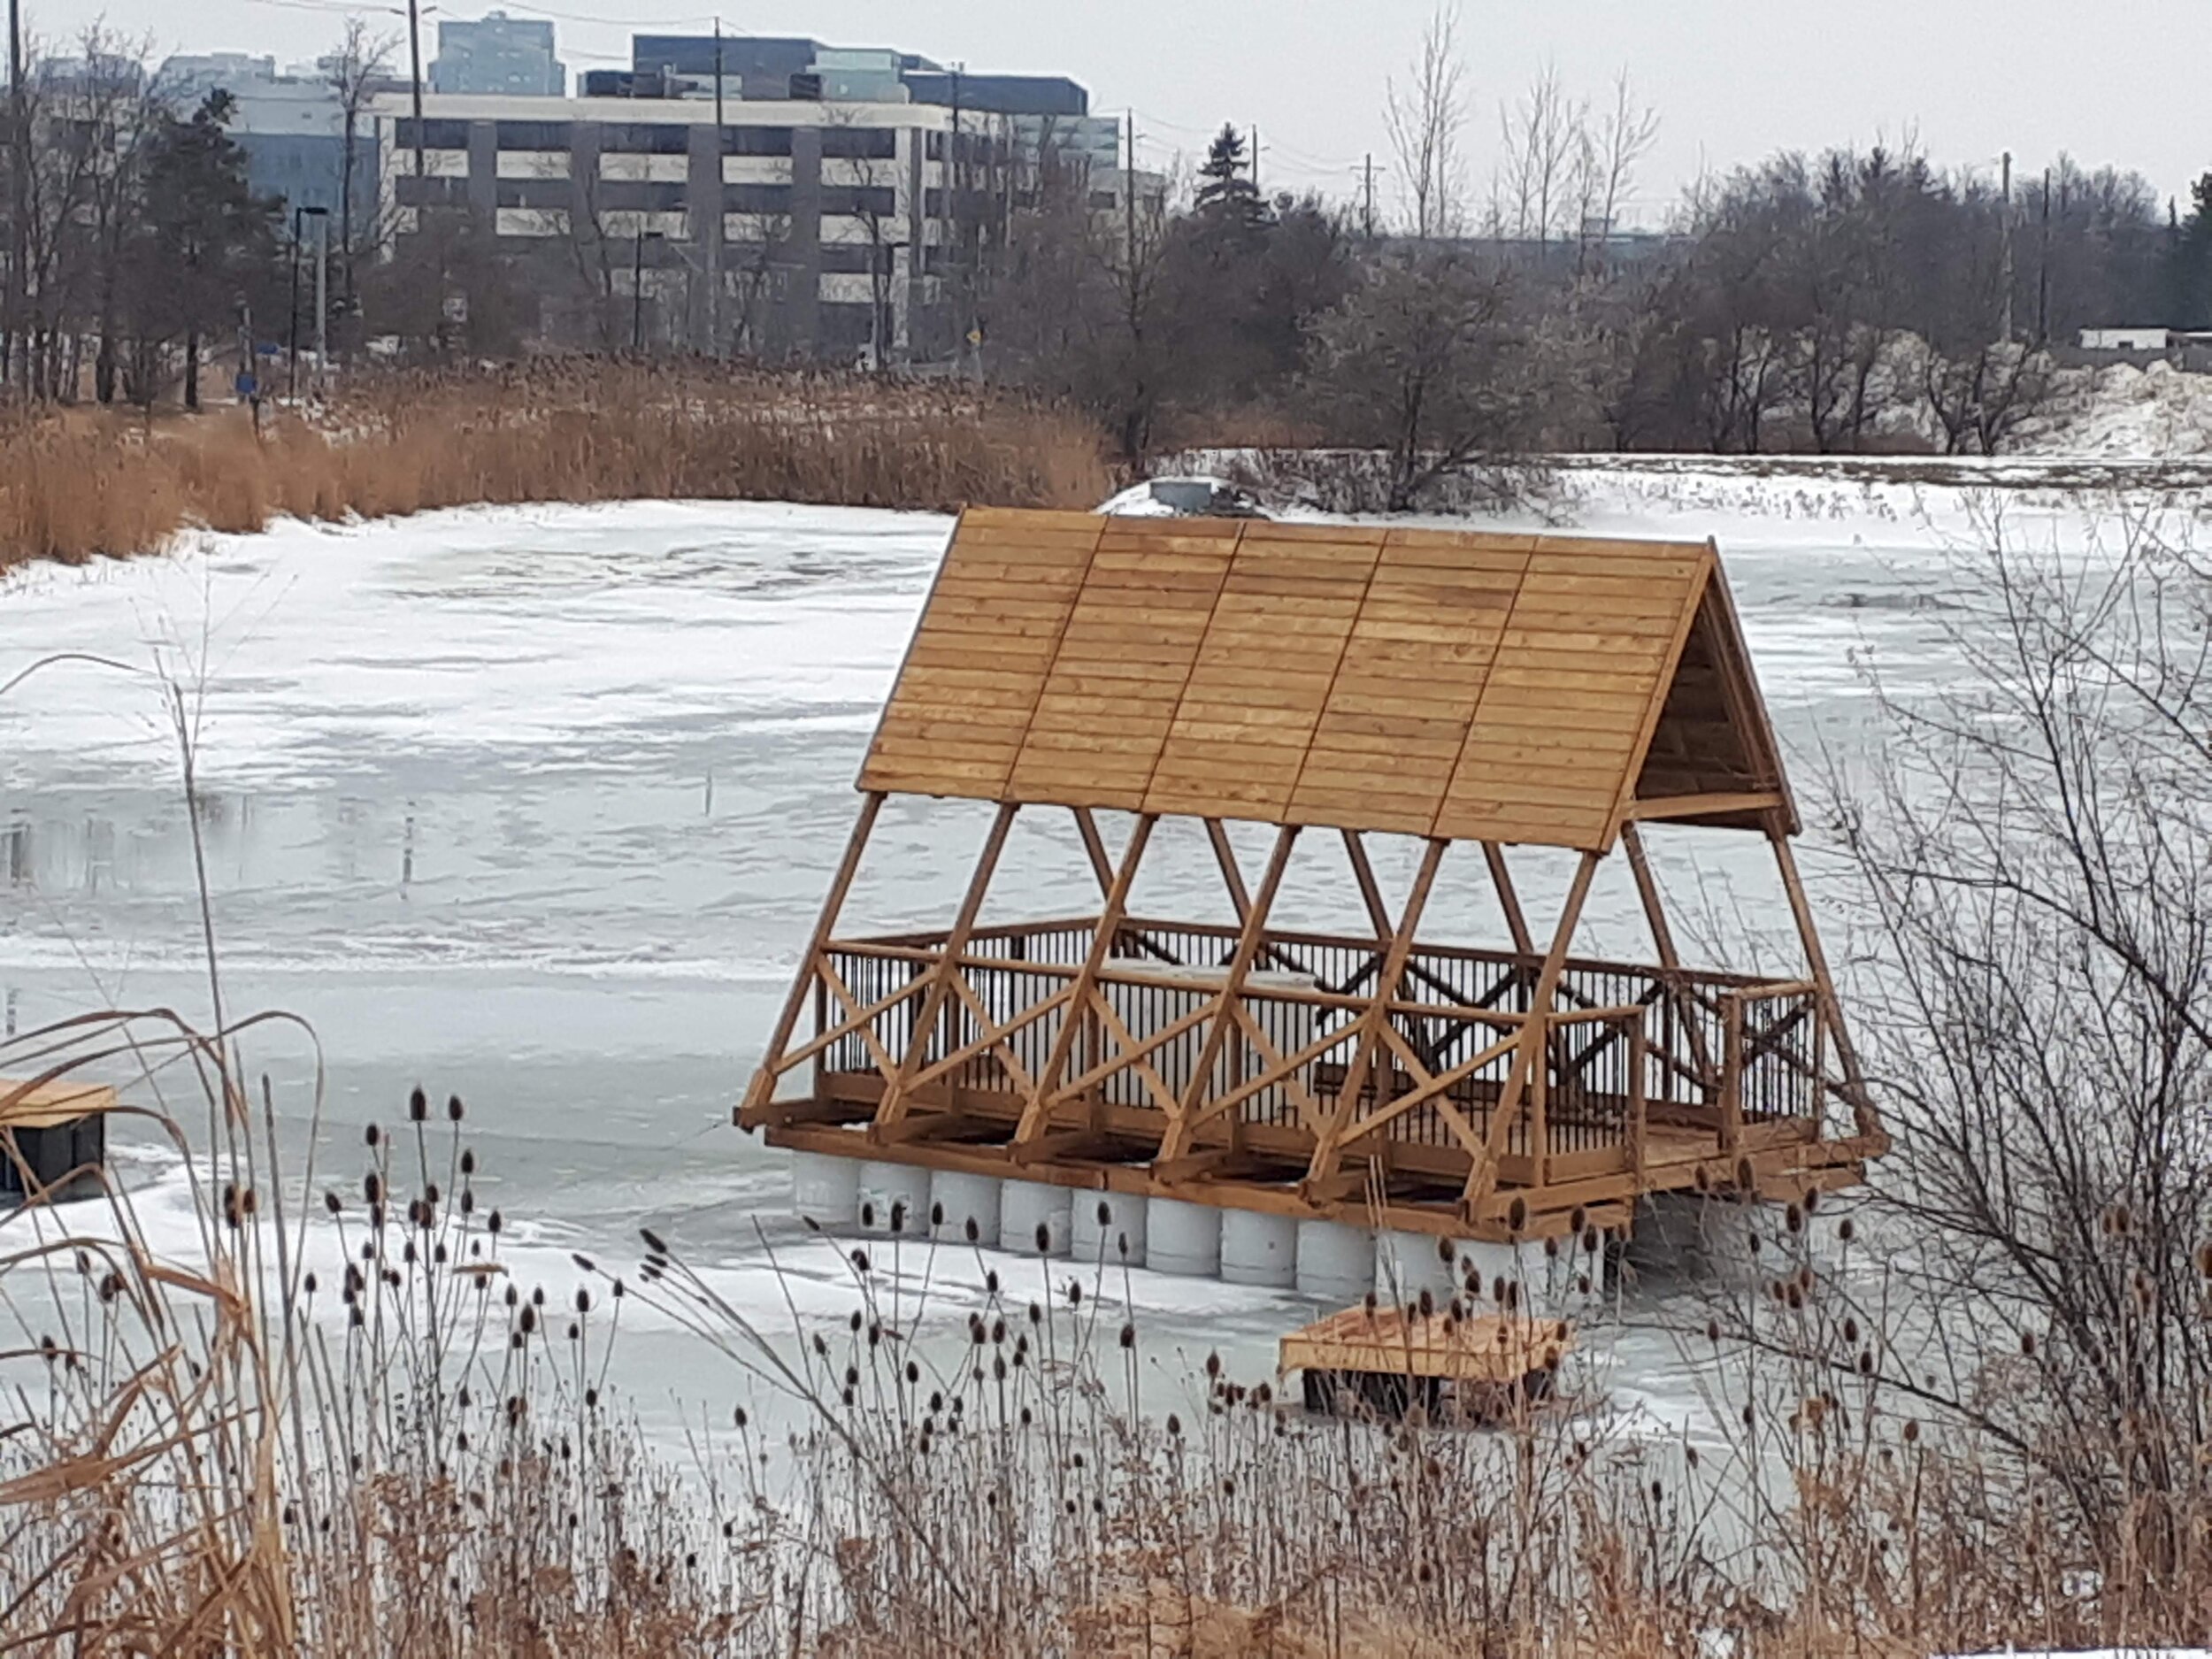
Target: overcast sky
<point x="1732" y="79"/>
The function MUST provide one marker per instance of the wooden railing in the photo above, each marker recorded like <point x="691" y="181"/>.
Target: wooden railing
<point x="1028" y="1042"/>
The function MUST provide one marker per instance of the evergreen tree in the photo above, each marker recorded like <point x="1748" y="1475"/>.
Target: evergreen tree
<point x="1227" y="198"/>
<point x="2189" y="267"/>
<point x="206" y="247"/>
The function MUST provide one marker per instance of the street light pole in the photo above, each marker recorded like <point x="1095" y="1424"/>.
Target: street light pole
<point x="637" y="286"/>
<point x="321" y="215"/>
<point x="19" y="199"/>
<point x="292" y="352"/>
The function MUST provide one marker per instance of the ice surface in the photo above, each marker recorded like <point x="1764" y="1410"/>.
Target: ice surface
<point x="536" y="805"/>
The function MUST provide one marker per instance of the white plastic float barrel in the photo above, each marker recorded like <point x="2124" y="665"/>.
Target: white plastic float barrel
<point x="1407" y="1264"/>
<point x="1258" y="1249"/>
<point x="959" y="1199"/>
<point x="1025" y="1206"/>
<point x="1336" y="1263"/>
<point x="1182" y="1239"/>
<point x="893" y="1192"/>
<point x="825" y="1190"/>
<point x="1103" y="1223"/>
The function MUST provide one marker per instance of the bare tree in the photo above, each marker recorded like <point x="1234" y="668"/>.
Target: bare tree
<point x="869" y="180"/>
<point x="1607" y="156"/>
<point x="1426" y="117"/>
<point x="2034" y="834"/>
<point x="1545" y="143"/>
<point x="1421" y="364"/>
<point x="354" y="71"/>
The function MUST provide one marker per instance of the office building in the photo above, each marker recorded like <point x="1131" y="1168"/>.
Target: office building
<point x="291" y="124"/>
<point x="500" y="57"/>
<point x="799" y="228"/>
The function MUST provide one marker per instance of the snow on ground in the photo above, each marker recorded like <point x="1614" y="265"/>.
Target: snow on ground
<point x="2124" y="412"/>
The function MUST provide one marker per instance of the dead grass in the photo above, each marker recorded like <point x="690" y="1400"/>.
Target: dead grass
<point x="84" y="484"/>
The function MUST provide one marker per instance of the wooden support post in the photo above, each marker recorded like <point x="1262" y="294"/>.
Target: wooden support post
<point x="1249" y="940"/>
<point x="1732" y="1072"/>
<point x="1095" y="848"/>
<point x="1637" y="1104"/>
<point x="1231" y="878"/>
<point x="1831" y="1009"/>
<point x="1663" y="940"/>
<point x="1374" y="1021"/>
<point x="1370" y="889"/>
<point x="1535" y="1036"/>
<point x="763" y="1088"/>
<point x="1038" y="1112"/>
<point x="1509" y="900"/>
<point x="945" y="969"/>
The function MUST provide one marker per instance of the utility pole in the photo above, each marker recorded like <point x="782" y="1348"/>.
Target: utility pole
<point x="1367" y="212"/>
<point x="2006" y="211"/>
<point x="1256" y="161"/>
<point x="637" y="291"/>
<point x="322" y="295"/>
<point x="18" y="195"/>
<point x="1129" y="207"/>
<point x="2043" y="269"/>
<point x="300" y="215"/>
<point x="955" y="255"/>
<point x="714" y="235"/>
<point x="292" y="347"/>
<point x="414" y="67"/>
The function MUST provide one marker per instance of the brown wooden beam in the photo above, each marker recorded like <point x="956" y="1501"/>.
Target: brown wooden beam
<point x="1177" y="1141"/>
<point x="1376" y="1019"/>
<point x="1509" y="900"/>
<point x="1663" y="940"/>
<point x="1094" y="847"/>
<point x="1683" y="806"/>
<point x="1863" y="1110"/>
<point x="1370" y="889"/>
<point x="1535" y="1036"/>
<point x="947" y="966"/>
<point x="1039" y="1108"/>
<point x="761" y="1091"/>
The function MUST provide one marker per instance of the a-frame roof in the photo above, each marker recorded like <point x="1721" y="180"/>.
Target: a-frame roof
<point x="1520" y="689"/>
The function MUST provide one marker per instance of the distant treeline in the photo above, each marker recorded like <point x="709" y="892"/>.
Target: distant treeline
<point x="1859" y="300"/>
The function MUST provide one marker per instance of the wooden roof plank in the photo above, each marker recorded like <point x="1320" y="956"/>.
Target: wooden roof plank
<point x="1510" y="687"/>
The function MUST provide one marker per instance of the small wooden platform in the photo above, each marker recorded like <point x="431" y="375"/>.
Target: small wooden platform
<point x="49" y="1132"/>
<point x="49" y="1105"/>
<point x="1390" y="1357"/>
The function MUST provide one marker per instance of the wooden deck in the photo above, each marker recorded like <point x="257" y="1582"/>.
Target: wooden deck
<point x="1651" y="1080"/>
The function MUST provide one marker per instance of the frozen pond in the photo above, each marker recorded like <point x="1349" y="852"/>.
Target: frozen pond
<point x="536" y="806"/>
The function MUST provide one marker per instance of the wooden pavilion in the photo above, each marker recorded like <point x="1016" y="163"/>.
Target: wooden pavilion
<point x="1477" y="691"/>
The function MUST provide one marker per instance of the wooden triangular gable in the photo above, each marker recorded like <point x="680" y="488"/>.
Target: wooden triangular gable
<point x="1465" y="686"/>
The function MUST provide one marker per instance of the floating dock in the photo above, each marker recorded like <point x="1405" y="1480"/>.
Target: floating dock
<point x="1247" y="1093"/>
<point x="53" y="1137"/>
<point x="1473" y="1369"/>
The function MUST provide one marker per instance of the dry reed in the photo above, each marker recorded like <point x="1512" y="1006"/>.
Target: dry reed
<point x="417" y="1455"/>
<point x="81" y="484"/>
